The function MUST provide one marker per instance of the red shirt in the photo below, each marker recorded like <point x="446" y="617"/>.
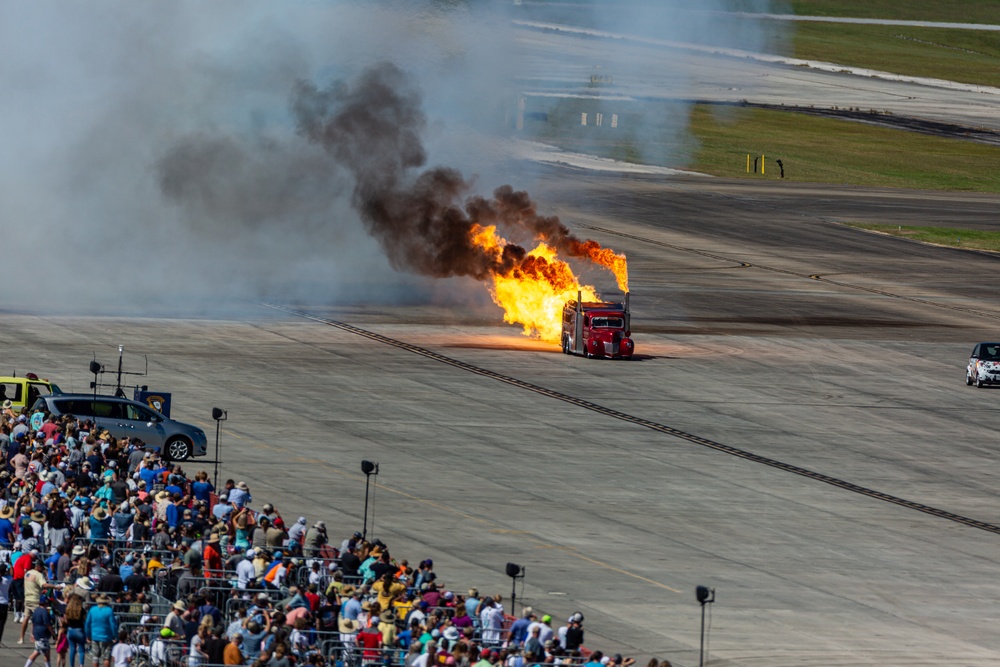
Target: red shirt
<point x="22" y="565"/>
<point x="212" y="559"/>
<point x="371" y="642"/>
<point x="313" y="601"/>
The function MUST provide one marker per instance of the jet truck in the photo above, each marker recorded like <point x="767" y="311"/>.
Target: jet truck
<point x="597" y="328"/>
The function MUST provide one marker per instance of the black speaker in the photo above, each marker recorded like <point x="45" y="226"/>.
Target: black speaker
<point x="95" y="367"/>
<point x="704" y="594"/>
<point x="513" y="570"/>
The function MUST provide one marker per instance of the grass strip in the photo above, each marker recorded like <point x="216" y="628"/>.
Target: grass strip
<point x="967" y="56"/>
<point x="975" y="239"/>
<point x="823" y="150"/>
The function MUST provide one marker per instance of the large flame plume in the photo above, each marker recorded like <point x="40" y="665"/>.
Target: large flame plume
<point x="532" y="293"/>
<point x="426" y="221"/>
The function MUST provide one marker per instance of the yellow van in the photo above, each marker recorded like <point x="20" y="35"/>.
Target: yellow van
<point x="21" y="391"/>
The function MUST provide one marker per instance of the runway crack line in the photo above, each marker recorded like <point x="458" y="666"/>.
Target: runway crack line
<point x="646" y="423"/>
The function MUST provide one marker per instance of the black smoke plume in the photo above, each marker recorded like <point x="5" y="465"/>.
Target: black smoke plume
<point x="422" y="219"/>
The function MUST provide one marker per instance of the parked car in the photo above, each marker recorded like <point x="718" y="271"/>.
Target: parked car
<point x="176" y="440"/>
<point x="22" y="391"/>
<point x="984" y="365"/>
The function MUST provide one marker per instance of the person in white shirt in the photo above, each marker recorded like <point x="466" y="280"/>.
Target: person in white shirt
<point x="245" y="570"/>
<point x="491" y="617"/>
<point x="122" y="653"/>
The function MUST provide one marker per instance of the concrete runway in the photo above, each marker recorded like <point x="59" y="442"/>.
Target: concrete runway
<point x="760" y="323"/>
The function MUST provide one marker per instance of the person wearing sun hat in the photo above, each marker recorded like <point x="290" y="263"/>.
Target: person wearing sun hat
<point x="7" y="535"/>
<point x="100" y="525"/>
<point x="101" y="629"/>
<point x="174" y="621"/>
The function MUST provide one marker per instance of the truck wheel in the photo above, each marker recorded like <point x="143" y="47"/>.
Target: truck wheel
<point x="178" y="449"/>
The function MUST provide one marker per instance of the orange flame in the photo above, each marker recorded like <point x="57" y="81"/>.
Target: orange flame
<point x="606" y="257"/>
<point x="534" y="292"/>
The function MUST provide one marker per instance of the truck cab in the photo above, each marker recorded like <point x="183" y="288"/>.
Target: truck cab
<point x="597" y="329"/>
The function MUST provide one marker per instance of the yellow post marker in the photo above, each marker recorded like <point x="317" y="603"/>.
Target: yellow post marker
<point x="748" y="163"/>
<point x="761" y="165"/>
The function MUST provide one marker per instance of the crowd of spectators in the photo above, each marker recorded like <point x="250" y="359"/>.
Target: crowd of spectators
<point x="111" y="555"/>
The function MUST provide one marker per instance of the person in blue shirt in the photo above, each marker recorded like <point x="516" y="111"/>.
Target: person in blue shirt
<point x="50" y="565"/>
<point x="174" y="511"/>
<point x="101" y="628"/>
<point x="6" y="527"/>
<point x="42" y="630"/>
<point x="202" y="488"/>
<point x="100" y="525"/>
<point x="151" y="473"/>
<point x="519" y="628"/>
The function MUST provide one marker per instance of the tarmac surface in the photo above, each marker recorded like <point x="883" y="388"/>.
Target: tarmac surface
<point x="762" y="325"/>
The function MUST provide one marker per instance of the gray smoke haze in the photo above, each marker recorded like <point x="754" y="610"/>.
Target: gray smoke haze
<point x="157" y="156"/>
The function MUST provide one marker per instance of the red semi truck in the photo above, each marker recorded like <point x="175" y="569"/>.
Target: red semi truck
<point x="597" y="329"/>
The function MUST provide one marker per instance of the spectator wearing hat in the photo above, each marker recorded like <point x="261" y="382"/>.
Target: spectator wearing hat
<point x="274" y="536"/>
<point x="174" y="622"/>
<point x="315" y="539"/>
<point x="484" y="659"/>
<point x="246" y="573"/>
<point x="6" y="527"/>
<point x="101" y="628"/>
<point x="211" y="556"/>
<point x="572" y="639"/>
<point x="297" y="532"/>
<point x="544" y="627"/>
<point x="100" y="525"/>
<point x="240" y="496"/>
<point x="35" y="585"/>
<point x="223" y="509"/>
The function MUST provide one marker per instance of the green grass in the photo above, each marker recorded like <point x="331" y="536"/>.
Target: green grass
<point x="947" y="236"/>
<point x="813" y="149"/>
<point x="953" y="11"/>
<point x="968" y="56"/>
<point x="826" y="150"/>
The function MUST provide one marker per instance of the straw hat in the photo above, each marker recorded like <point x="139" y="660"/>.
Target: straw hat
<point x="7" y="512"/>
<point x="387" y="616"/>
<point x="348" y="626"/>
<point x="38" y="516"/>
<point x="103" y="599"/>
<point x="100" y="513"/>
<point x="180" y="606"/>
<point x="85" y="583"/>
<point x="161" y="496"/>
